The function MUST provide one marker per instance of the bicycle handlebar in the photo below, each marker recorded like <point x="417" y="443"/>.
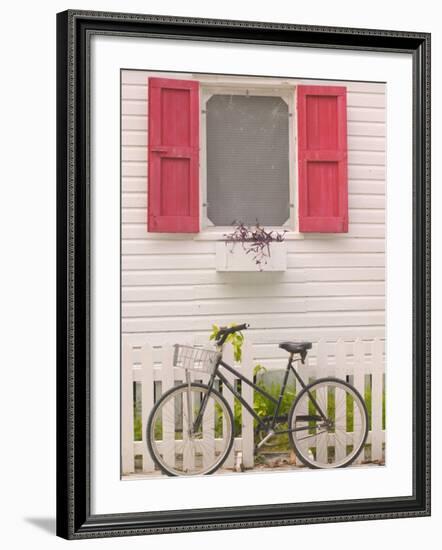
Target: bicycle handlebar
<point x="225" y="331"/>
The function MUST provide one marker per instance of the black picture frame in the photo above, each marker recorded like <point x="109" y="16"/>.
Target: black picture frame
<point x="74" y="518"/>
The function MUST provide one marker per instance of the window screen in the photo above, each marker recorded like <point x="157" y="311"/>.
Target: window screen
<point x="247" y="160"/>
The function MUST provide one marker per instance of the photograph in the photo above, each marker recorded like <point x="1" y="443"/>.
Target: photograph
<point x="252" y="274"/>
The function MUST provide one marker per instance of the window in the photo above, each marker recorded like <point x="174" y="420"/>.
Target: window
<point x="218" y="154"/>
<point x="247" y="152"/>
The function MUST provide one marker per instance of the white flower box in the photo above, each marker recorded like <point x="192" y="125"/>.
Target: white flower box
<point x="233" y="257"/>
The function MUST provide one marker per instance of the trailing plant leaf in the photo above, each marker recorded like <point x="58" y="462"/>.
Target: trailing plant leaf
<point x="255" y="240"/>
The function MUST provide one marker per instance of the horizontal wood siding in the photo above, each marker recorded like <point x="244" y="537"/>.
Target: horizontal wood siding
<point x="333" y="288"/>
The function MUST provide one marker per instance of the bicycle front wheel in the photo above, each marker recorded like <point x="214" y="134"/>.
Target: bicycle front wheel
<point x="335" y="440"/>
<point x="179" y="447"/>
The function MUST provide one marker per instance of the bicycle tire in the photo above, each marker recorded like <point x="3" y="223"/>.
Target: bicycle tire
<point x="150" y="430"/>
<point x="312" y="387"/>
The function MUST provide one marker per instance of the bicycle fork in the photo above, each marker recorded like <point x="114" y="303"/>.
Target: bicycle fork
<point x="190" y="429"/>
<point x="194" y="427"/>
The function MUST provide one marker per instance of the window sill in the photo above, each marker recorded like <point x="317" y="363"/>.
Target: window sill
<point x="219" y="234"/>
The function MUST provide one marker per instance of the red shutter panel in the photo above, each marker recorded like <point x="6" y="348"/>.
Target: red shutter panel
<point x="173" y="165"/>
<point x="322" y="159"/>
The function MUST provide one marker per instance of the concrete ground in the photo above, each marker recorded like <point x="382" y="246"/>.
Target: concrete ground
<point x="274" y="464"/>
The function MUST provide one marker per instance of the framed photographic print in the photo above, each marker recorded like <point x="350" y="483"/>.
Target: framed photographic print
<point x="243" y="274"/>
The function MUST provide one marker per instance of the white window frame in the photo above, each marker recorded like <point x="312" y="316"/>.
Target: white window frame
<point x="253" y="86"/>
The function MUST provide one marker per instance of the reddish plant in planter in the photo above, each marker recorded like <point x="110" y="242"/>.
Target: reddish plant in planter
<point x="255" y="240"/>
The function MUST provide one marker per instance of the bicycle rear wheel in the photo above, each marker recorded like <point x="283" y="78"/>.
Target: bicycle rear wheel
<point x="336" y="441"/>
<point x="175" y="448"/>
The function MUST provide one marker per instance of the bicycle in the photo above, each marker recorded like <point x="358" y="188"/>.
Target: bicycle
<point x="190" y="430"/>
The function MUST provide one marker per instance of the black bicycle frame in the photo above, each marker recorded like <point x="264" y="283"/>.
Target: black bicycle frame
<point x="276" y="418"/>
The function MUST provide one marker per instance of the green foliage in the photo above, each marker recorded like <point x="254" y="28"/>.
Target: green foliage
<point x="265" y="407"/>
<point x="368" y="403"/>
<point x="237" y="418"/>
<point x="137" y="424"/>
<point x="218" y="421"/>
<point x="236" y="339"/>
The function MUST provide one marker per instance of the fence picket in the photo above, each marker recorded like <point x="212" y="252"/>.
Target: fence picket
<point x="208" y="446"/>
<point x="127" y="406"/>
<point x="340" y="404"/>
<point x="248" y="445"/>
<point x="305" y="371"/>
<point x="168" y="420"/>
<point x="376" y="401"/>
<point x="359" y="383"/>
<point x="147" y="398"/>
<point x="322" y="369"/>
<point x="208" y="440"/>
<point x="228" y="358"/>
<point x="187" y="408"/>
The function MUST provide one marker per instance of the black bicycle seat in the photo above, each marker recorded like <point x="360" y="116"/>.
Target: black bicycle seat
<point x="296" y="347"/>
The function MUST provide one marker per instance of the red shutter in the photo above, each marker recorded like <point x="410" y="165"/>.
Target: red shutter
<point x="322" y="159"/>
<point x="173" y="192"/>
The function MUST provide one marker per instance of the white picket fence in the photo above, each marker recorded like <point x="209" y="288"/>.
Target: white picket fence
<point x="151" y="368"/>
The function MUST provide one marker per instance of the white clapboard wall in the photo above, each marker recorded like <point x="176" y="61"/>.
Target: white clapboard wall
<point x="362" y="363"/>
<point x="334" y="284"/>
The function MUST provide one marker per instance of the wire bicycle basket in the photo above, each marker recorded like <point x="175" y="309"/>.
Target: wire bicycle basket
<point x="195" y="358"/>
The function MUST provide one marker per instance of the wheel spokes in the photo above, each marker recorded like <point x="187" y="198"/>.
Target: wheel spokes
<point x="177" y="447"/>
<point x="340" y="438"/>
